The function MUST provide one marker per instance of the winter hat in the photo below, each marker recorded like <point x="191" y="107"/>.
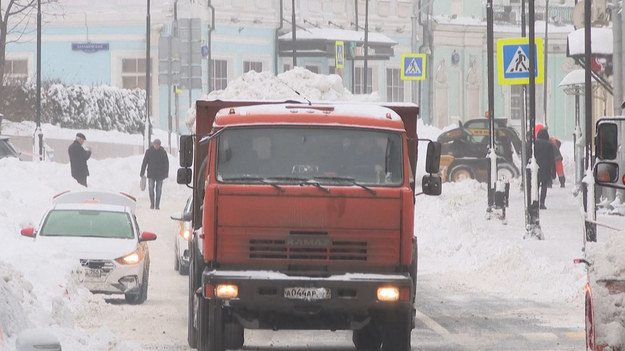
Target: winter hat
<point x="157" y="142"/>
<point x="81" y="136"/>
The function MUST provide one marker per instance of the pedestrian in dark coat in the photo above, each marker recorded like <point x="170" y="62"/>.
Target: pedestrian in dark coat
<point x="157" y="163"/>
<point x="545" y="158"/>
<point x="78" y="156"/>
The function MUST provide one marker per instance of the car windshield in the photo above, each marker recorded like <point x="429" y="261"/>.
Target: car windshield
<point x="88" y="223"/>
<point x="7" y="149"/>
<point x="300" y="155"/>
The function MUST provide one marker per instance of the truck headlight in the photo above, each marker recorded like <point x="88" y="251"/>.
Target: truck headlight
<point x="226" y="291"/>
<point x="388" y="293"/>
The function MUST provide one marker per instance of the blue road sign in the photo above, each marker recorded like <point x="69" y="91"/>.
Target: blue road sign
<point x="413" y="66"/>
<point x="513" y="61"/>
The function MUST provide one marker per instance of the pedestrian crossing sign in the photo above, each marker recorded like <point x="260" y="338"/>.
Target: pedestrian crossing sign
<point x="513" y="61"/>
<point x="412" y="66"/>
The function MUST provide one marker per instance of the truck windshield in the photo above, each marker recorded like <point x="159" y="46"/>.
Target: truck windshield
<point x="292" y="155"/>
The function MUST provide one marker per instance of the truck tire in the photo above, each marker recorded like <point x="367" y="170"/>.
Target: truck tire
<point x="506" y="171"/>
<point x="211" y="335"/>
<point x="368" y="338"/>
<point x="460" y="173"/>
<point x="234" y="335"/>
<point x="191" y="328"/>
<point x="396" y="331"/>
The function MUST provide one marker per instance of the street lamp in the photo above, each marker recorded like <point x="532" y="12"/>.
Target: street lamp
<point x="148" y="130"/>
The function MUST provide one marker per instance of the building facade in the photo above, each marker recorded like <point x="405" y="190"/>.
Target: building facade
<point x="104" y="42"/>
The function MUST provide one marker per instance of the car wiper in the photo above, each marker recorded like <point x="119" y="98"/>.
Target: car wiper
<point x="253" y="178"/>
<point x="346" y="179"/>
<point x="302" y="181"/>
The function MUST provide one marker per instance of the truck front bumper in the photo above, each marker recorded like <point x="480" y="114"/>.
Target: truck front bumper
<point x="273" y="300"/>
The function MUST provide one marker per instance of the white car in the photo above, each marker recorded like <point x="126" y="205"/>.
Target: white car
<point x="101" y="230"/>
<point x="182" y="235"/>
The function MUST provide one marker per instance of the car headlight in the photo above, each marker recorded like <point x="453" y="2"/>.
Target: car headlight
<point x="185" y="234"/>
<point x="131" y="258"/>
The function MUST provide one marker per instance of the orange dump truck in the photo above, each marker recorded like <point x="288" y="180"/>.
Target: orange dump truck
<point x="303" y="218"/>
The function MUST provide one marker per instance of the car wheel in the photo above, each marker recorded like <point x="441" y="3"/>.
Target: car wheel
<point x="139" y="297"/>
<point x="460" y="173"/>
<point x="183" y="269"/>
<point x="396" y="331"/>
<point x="176" y="259"/>
<point x="367" y="338"/>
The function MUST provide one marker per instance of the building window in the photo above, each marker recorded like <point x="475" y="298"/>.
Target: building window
<point x="133" y="73"/>
<point x="516" y="102"/>
<point x="332" y="69"/>
<point x="16" y="68"/>
<point x="394" y="85"/>
<point x="359" y="80"/>
<point x="286" y="67"/>
<point x="220" y="74"/>
<point x="313" y="69"/>
<point x="252" y="66"/>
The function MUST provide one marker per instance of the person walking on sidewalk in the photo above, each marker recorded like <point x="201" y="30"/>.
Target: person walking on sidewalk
<point x="544" y="154"/>
<point x="157" y="163"/>
<point x="558" y="156"/>
<point x="78" y="156"/>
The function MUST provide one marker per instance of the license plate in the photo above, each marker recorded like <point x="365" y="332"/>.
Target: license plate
<point x="310" y="294"/>
<point x="93" y="273"/>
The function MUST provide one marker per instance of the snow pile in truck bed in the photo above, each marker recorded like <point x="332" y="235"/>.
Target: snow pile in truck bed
<point x="296" y="84"/>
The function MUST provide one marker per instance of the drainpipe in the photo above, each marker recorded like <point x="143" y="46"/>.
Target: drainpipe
<point x="211" y="28"/>
<point x="277" y="34"/>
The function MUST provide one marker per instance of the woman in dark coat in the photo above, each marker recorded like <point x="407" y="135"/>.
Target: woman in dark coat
<point x="157" y="164"/>
<point x="545" y="158"/>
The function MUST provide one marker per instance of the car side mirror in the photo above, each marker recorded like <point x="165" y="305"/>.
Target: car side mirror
<point x="184" y="176"/>
<point x="186" y="150"/>
<point x="30" y="232"/>
<point x="147" y="236"/>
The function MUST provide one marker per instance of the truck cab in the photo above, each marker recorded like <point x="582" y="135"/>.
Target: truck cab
<point x="303" y="219"/>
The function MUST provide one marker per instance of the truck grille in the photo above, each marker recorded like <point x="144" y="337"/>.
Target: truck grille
<point x="323" y="249"/>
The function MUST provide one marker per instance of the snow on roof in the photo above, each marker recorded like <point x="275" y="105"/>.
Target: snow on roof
<point x="600" y="40"/>
<point x="574" y="77"/>
<point x="333" y="34"/>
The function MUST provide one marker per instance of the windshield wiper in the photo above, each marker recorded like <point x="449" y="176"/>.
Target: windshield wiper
<point x="302" y="182"/>
<point x="346" y="179"/>
<point x="253" y="178"/>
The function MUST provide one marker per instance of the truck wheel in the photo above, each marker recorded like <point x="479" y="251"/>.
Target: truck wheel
<point x="506" y="172"/>
<point x="234" y="335"/>
<point x="191" y="331"/>
<point x="460" y="173"/>
<point x="367" y="338"/>
<point x="396" y="331"/>
<point x="210" y="326"/>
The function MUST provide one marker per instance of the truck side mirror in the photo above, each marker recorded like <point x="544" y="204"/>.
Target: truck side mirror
<point x="183" y="176"/>
<point x="186" y="151"/>
<point x="433" y="157"/>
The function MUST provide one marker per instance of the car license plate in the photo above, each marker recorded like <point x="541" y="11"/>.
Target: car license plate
<point x="310" y="294"/>
<point x="93" y="273"/>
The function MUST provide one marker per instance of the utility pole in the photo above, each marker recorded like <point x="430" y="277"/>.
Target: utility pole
<point x="588" y="194"/>
<point x="148" y="130"/>
<point x="293" y="36"/>
<point x="364" y="73"/>
<point x="492" y="178"/>
<point x="533" y="227"/>
<point x="545" y="59"/>
<point x="38" y="133"/>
